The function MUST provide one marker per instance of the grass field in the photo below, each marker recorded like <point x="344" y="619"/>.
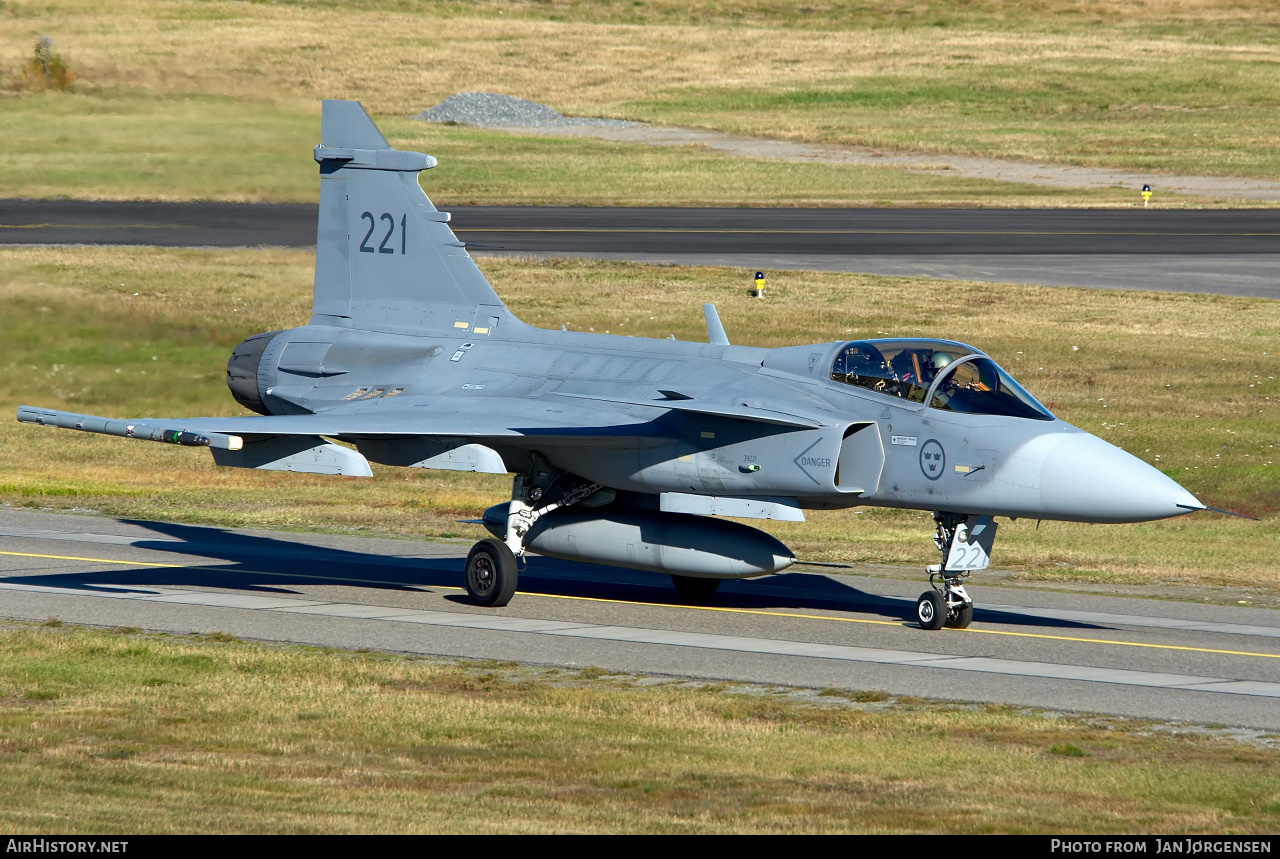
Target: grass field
<point x="1186" y="382"/>
<point x="117" y="732"/>
<point x="168" y="89"/>
<point x="175" y="147"/>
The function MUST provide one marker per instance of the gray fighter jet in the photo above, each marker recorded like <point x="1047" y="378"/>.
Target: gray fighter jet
<point x="624" y="449"/>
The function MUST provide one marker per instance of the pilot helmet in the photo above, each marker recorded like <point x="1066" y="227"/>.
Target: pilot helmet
<point x="940" y="360"/>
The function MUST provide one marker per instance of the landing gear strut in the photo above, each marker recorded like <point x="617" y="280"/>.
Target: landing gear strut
<point x="965" y="544"/>
<point x="493" y="566"/>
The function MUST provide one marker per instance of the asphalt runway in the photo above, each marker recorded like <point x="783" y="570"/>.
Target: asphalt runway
<point x="1229" y="252"/>
<point x="1143" y="658"/>
<point x="867" y="232"/>
<point x="141" y="222"/>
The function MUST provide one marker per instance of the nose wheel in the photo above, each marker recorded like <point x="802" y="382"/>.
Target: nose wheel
<point x="947" y="604"/>
<point x="965" y="544"/>
<point x="938" y="608"/>
<point x="961" y="617"/>
<point x="931" y="610"/>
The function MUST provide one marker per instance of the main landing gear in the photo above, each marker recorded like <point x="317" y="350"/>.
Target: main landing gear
<point x="493" y="566"/>
<point x="965" y="544"/>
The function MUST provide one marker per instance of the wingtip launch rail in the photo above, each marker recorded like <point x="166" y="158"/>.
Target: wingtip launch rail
<point x="127" y="429"/>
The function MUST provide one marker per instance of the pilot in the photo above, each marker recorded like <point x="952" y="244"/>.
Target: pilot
<point x="938" y="362"/>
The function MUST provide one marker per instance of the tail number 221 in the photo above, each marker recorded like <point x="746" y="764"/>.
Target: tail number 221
<point x="383" y="248"/>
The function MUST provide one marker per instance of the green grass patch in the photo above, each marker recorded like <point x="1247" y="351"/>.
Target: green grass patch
<point x="130" y="145"/>
<point x="1164" y="108"/>
<point x="1067" y="750"/>
<point x="138" y="145"/>
<point x="158" y="734"/>
<point x="1175" y="379"/>
<point x="862" y="696"/>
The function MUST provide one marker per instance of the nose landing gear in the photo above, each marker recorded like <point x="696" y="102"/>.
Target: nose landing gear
<point x="947" y="604"/>
<point x="965" y="544"/>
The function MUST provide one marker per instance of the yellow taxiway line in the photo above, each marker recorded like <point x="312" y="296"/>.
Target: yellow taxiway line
<point x="101" y="560"/>
<point x="722" y="609"/>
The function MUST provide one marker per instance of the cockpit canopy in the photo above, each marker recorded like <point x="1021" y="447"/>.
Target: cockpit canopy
<point x="961" y="379"/>
<point x="899" y="368"/>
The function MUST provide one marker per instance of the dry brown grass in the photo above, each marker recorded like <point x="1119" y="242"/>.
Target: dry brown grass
<point x="1162" y="85"/>
<point x="123" y="733"/>
<point x="399" y="62"/>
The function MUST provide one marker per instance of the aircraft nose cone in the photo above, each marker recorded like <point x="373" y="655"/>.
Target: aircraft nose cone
<point x="1085" y="479"/>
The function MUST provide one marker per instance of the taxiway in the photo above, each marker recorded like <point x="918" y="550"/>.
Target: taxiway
<point x="1227" y="252"/>
<point x="1143" y="658"/>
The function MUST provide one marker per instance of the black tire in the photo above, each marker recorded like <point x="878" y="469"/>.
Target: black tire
<point x="931" y="610"/>
<point x="962" y="617"/>
<point x="695" y="589"/>
<point x="491" y="573"/>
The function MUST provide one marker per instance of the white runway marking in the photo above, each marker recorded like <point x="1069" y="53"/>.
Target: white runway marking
<point x="1108" y="619"/>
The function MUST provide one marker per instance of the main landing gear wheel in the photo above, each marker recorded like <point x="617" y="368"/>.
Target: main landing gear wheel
<point x="931" y="610"/>
<point x="695" y="589"/>
<point x="491" y="573"/>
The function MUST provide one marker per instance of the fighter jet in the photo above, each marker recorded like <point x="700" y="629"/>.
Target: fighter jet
<point x="625" y="450"/>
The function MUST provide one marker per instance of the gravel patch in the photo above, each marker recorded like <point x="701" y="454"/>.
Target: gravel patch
<point x="492" y="110"/>
<point x="504" y="111"/>
<point x="1001" y="170"/>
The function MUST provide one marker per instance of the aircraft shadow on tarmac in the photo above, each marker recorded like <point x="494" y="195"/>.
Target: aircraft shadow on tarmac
<point x="267" y="565"/>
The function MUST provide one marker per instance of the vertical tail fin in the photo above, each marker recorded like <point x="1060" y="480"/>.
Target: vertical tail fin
<point x="385" y="257"/>
<point x="344" y="123"/>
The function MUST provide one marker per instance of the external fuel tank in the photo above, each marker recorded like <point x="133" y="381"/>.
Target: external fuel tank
<point x="677" y="543"/>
